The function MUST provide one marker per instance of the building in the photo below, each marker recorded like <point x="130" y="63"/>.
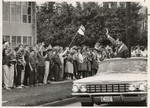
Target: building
<point x="19" y="23"/>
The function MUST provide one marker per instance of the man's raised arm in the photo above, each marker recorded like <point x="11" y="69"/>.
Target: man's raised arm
<point x="112" y="40"/>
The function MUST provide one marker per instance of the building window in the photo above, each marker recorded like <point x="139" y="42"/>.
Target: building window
<point x="25" y="42"/>
<point x="30" y="3"/>
<point x="18" y="12"/>
<point x="24" y="8"/>
<point x="13" y="11"/>
<point x="18" y="40"/>
<point x="24" y="18"/>
<point x="30" y="41"/>
<point x="6" y="38"/>
<point x="6" y="11"/>
<point x="14" y="40"/>
<point x="27" y="11"/>
<point x="29" y="19"/>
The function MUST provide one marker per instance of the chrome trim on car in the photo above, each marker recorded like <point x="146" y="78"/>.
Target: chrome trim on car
<point x="80" y="94"/>
<point x="105" y="88"/>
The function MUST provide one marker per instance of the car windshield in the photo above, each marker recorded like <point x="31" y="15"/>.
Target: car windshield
<point x="123" y="65"/>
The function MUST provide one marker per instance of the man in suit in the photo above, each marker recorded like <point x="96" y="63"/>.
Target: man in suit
<point x="121" y="49"/>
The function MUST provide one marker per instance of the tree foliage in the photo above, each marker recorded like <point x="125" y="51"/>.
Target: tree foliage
<point x="57" y="23"/>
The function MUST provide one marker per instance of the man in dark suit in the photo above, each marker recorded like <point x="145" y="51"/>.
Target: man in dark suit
<point x="121" y="49"/>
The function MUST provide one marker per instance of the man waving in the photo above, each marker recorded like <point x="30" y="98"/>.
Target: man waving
<point x="121" y="49"/>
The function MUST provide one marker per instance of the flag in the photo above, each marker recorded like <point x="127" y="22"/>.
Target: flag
<point x="81" y="30"/>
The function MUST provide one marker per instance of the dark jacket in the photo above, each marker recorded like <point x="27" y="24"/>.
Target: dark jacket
<point x="124" y="51"/>
<point x="40" y="58"/>
<point x="56" y="60"/>
<point x="6" y="59"/>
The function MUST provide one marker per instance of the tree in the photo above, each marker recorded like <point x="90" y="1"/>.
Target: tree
<point x="57" y="23"/>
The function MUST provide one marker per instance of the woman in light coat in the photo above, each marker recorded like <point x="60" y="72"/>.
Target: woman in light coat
<point x="69" y="65"/>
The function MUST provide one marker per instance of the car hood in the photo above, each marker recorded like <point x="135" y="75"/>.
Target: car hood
<point x="113" y="78"/>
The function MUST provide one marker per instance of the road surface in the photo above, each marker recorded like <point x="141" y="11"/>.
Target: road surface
<point x="78" y="104"/>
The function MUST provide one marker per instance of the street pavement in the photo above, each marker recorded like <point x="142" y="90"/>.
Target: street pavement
<point x="78" y="104"/>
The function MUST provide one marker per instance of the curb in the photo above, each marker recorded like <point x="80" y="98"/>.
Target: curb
<point x="61" y="102"/>
<point x="59" y="82"/>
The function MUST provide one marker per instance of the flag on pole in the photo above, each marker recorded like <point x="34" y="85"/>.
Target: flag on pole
<point x="81" y="30"/>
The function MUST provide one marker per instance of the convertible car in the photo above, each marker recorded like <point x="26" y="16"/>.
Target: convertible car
<point x="118" y="80"/>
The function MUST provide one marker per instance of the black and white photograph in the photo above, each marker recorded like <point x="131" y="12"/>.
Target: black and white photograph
<point x="75" y="53"/>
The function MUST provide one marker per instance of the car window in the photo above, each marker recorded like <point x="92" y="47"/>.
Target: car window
<point x="124" y="65"/>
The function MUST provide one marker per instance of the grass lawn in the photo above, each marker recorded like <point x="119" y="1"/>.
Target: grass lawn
<point x="33" y="96"/>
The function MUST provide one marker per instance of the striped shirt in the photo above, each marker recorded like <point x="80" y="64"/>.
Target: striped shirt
<point x="19" y="57"/>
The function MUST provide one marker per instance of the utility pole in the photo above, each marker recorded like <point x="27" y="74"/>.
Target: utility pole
<point x="128" y="25"/>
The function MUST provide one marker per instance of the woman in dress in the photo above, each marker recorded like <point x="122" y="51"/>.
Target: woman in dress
<point x="69" y="65"/>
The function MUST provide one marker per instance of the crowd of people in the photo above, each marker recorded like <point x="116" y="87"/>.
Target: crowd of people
<point x="139" y="51"/>
<point x="25" y="66"/>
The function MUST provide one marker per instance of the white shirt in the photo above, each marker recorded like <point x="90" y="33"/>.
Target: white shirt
<point x="61" y="56"/>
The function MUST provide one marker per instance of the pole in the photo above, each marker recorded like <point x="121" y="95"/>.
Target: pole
<point x="73" y="40"/>
<point x="128" y="25"/>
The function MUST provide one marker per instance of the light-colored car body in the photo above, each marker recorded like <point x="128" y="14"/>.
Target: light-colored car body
<point x="114" y="86"/>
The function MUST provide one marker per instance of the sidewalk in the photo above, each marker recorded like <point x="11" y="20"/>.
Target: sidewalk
<point x="38" y="95"/>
